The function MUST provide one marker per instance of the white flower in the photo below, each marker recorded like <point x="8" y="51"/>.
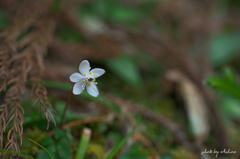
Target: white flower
<point x="86" y="78"/>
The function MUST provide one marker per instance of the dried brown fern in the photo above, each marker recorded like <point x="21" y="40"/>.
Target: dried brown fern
<point x="20" y="61"/>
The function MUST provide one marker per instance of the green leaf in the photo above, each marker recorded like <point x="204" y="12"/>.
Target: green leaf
<point x="226" y="83"/>
<point x="58" y="134"/>
<point x="65" y="141"/>
<point x="120" y="145"/>
<point x="47" y="141"/>
<point x="64" y="151"/>
<point x="224" y="48"/>
<point x="17" y="154"/>
<point x="229" y="87"/>
<point x="44" y="154"/>
<point x="42" y="148"/>
<point x="125" y="68"/>
<point x="60" y="146"/>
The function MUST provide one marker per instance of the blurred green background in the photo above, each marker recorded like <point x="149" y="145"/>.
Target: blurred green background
<point x="171" y="69"/>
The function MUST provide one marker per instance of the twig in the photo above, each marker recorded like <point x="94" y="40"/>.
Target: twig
<point x="81" y="122"/>
<point x="86" y="121"/>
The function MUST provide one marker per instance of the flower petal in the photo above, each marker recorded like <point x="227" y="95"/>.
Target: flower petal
<point x="78" y="88"/>
<point x="92" y="89"/>
<point x="97" y="72"/>
<point x="76" y="77"/>
<point x="84" y="67"/>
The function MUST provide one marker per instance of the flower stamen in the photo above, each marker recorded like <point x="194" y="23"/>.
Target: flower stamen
<point x="91" y="79"/>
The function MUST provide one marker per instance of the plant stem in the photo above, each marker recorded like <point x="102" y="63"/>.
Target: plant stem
<point x="66" y="107"/>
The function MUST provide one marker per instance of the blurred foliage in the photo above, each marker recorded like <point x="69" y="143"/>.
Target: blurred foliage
<point x="224" y="48"/>
<point x="138" y="78"/>
<point x="225" y="83"/>
<point x="125" y="68"/>
<point x="59" y="146"/>
<point x="228" y="88"/>
<point x="95" y="151"/>
<point x="42" y="148"/>
<point x="37" y="136"/>
<point x="120" y="145"/>
<point x="117" y="12"/>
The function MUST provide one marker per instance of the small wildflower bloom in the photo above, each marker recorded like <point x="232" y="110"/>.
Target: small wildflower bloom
<point x="86" y="79"/>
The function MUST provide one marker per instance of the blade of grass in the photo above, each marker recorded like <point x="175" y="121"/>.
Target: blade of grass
<point x="82" y="148"/>
<point x="120" y="145"/>
<point x="68" y="87"/>
<point x="42" y="148"/>
<point x="17" y="154"/>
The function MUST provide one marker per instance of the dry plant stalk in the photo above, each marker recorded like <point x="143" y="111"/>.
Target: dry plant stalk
<point x="21" y="59"/>
<point x="194" y="105"/>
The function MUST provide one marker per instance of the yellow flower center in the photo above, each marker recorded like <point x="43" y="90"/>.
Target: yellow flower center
<point x="82" y="81"/>
<point x="94" y="80"/>
<point x="89" y="85"/>
<point x="84" y="74"/>
<point x="90" y="73"/>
